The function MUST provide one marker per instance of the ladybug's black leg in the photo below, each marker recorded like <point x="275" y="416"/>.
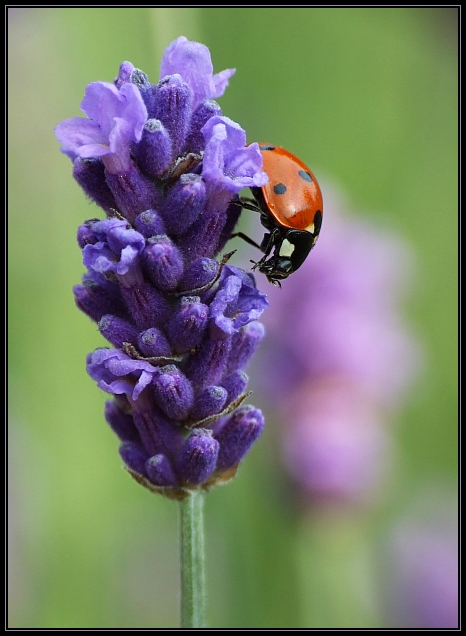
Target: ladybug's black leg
<point x="246" y="204"/>
<point x="268" y="242"/>
<point x="246" y="238"/>
<point x="250" y="204"/>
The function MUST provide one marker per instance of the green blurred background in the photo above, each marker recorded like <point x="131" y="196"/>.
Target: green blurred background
<point x="368" y="98"/>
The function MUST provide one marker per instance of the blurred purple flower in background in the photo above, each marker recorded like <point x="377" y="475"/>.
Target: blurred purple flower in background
<point x="336" y="445"/>
<point x="421" y="575"/>
<point x="339" y="358"/>
<point x="164" y="164"/>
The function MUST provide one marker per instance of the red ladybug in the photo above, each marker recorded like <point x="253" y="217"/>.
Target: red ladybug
<point x="290" y="205"/>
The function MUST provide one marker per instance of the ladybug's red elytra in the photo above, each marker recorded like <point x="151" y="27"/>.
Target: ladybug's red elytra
<point x="290" y="205"/>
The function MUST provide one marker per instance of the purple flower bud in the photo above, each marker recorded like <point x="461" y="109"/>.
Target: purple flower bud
<point x="188" y="324"/>
<point x="149" y="223"/>
<point x="198" y="457"/>
<point x="163" y="262"/>
<point x="124" y="74"/>
<point x="237" y="435"/>
<point x="129" y="74"/>
<point x="183" y="204"/>
<point x="134" y="456"/>
<point x="245" y="343"/>
<point x="157" y="432"/>
<point x="117" y="331"/>
<point x="148" y="307"/>
<point x="235" y="385"/>
<point x="155" y="150"/>
<point x="203" y="236"/>
<point x="153" y="344"/>
<point x="208" y="402"/>
<point x="204" y="111"/>
<point x="173" y="392"/>
<point x="90" y="174"/>
<point x="96" y="300"/>
<point x="160" y="471"/>
<point x="122" y="423"/>
<point x="140" y="79"/>
<point x="173" y="106"/>
<point x="199" y="274"/>
<point x="207" y="365"/>
<point x="133" y="192"/>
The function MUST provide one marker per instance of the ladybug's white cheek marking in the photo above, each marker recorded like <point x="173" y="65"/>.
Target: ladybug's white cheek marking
<point x="310" y="228"/>
<point x="286" y="248"/>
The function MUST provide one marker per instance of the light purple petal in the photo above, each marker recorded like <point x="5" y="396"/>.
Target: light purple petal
<point x="119" y="235"/>
<point x="225" y="130"/>
<point x="120" y="137"/>
<point x="116" y="119"/>
<point x="100" y="103"/>
<point x="69" y="153"/>
<point x="78" y="132"/>
<point x="115" y="372"/>
<point x="99" y="257"/>
<point x="128" y="258"/>
<point x="144" y="380"/>
<point x="133" y="110"/>
<point x="192" y="61"/>
<point x="237" y="302"/>
<point x="228" y="164"/>
<point x="221" y="81"/>
<point x="117" y="387"/>
<point x="246" y="163"/>
<point x="117" y="250"/>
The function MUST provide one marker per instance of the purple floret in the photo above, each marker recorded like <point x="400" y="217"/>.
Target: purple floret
<point x="236" y="303"/>
<point x="229" y="165"/>
<point x="116" y="118"/>
<point x="192" y="61"/>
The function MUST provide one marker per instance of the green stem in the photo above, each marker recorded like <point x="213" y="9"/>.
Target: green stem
<point x="192" y="561"/>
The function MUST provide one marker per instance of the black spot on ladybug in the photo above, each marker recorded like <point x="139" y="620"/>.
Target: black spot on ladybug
<point x="305" y="175"/>
<point x="317" y="221"/>
<point x="266" y="147"/>
<point x="280" y="188"/>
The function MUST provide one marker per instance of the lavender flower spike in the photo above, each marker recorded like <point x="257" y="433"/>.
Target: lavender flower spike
<point x="164" y="164"/>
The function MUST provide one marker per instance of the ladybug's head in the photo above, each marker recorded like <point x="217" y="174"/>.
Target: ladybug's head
<point x="291" y="249"/>
<point x="277" y="268"/>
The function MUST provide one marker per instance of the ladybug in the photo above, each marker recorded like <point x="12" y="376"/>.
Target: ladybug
<point x="290" y="207"/>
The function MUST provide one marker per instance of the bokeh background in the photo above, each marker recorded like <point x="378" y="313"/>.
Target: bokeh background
<point x="368" y="99"/>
